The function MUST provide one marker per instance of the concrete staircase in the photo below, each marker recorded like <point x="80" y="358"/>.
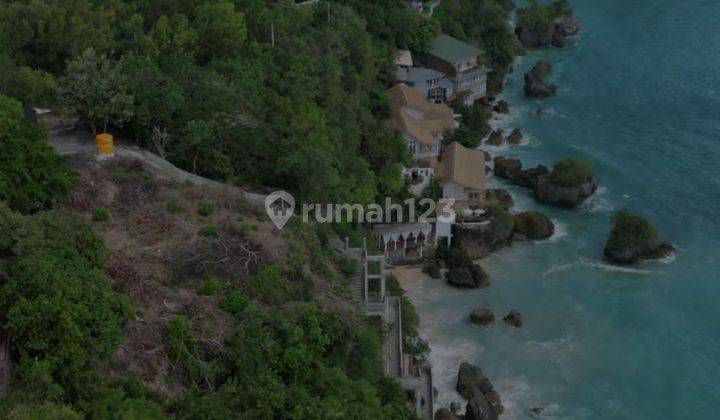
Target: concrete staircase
<point x="394" y="335"/>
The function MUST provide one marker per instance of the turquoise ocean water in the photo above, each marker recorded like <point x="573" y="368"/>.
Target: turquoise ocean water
<point x="639" y="96"/>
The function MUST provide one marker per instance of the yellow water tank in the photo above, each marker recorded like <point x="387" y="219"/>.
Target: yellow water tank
<point x="105" y="144"/>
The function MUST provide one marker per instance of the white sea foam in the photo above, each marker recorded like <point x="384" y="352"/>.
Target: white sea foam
<point x="560" y="232"/>
<point x="598" y="202"/>
<point x="586" y="262"/>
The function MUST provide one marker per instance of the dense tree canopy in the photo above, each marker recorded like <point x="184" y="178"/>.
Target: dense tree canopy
<point x="32" y="176"/>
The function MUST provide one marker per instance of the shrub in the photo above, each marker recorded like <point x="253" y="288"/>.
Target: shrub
<point x="571" y="172"/>
<point x="233" y="302"/>
<point x="173" y="206"/>
<point x="497" y="211"/>
<point x="101" y="214"/>
<point x="206" y="209"/>
<point x="209" y="287"/>
<point x="210" y="232"/>
<point x="630" y="229"/>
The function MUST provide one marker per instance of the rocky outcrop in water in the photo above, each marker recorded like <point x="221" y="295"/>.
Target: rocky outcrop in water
<point x="483" y="401"/>
<point x="445" y="414"/>
<point x="634" y="239"/>
<point x="633" y="253"/>
<point x="496" y="138"/>
<point x="502" y="107"/>
<point x="482" y="317"/>
<point x="515" y="137"/>
<point x="533" y="225"/>
<point x="539" y="180"/>
<point x="514" y="318"/>
<point x="550" y="192"/>
<point x="535" y="87"/>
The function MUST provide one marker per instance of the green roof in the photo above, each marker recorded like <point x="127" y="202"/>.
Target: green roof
<point x="452" y="50"/>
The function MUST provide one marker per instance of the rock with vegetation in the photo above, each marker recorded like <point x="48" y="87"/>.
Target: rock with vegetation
<point x="483" y="401"/>
<point x="570" y="182"/>
<point x="514" y="318"/>
<point x="501" y="195"/>
<point x="634" y="239"/>
<point x="515" y="137"/>
<point x="539" y="25"/>
<point x="496" y="138"/>
<point x="484" y="316"/>
<point x="535" y="86"/>
<point x="533" y="225"/>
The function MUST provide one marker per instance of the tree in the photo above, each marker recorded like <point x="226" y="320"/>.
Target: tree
<point x="57" y="302"/>
<point x="32" y="175"/>
<point x="571" y="172"/>
<point x="221" y="29"/>
<point x="95" y="89"/>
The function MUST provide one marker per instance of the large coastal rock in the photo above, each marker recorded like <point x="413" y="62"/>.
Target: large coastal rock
<point x="534" y="225"/>
<point x="506" y="168"/>
<point x="634" y="239"/>
<point x="483" y="401"/>
<point x="483" y="317"/>
<point x="462" y="271"/>
<point x="540" y="180"/>
<point x="564" y="27"/>
<point x="535" y="87"/>
<point x="468" y="277"/>
<point x="633" y="253"/>
<point x="550" y="192"/>
<point x="478" y="240"/>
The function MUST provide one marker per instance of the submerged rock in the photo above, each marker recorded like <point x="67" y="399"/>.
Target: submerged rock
<point x="482" y="316"/>
<point x="513" y="318"/>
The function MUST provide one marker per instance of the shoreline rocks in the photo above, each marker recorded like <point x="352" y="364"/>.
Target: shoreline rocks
<point x="515" y="137"/>
<point x="535" y="87"/>
<point x="483" y="401"/>
<point x="496" y="138"/>
<point x="632" y="254"/>
<point x="540" y="181"/>
<point x="534" y="225"/>
<point x="462" y="271"/>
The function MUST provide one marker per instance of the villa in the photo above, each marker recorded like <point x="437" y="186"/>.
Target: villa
<point x="459" y="62"/>
<point x="421" y="123"/>
<point x="463" y="175"/>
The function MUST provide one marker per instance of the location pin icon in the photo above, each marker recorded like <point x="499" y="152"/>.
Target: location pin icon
<point x="279" y="206"/>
